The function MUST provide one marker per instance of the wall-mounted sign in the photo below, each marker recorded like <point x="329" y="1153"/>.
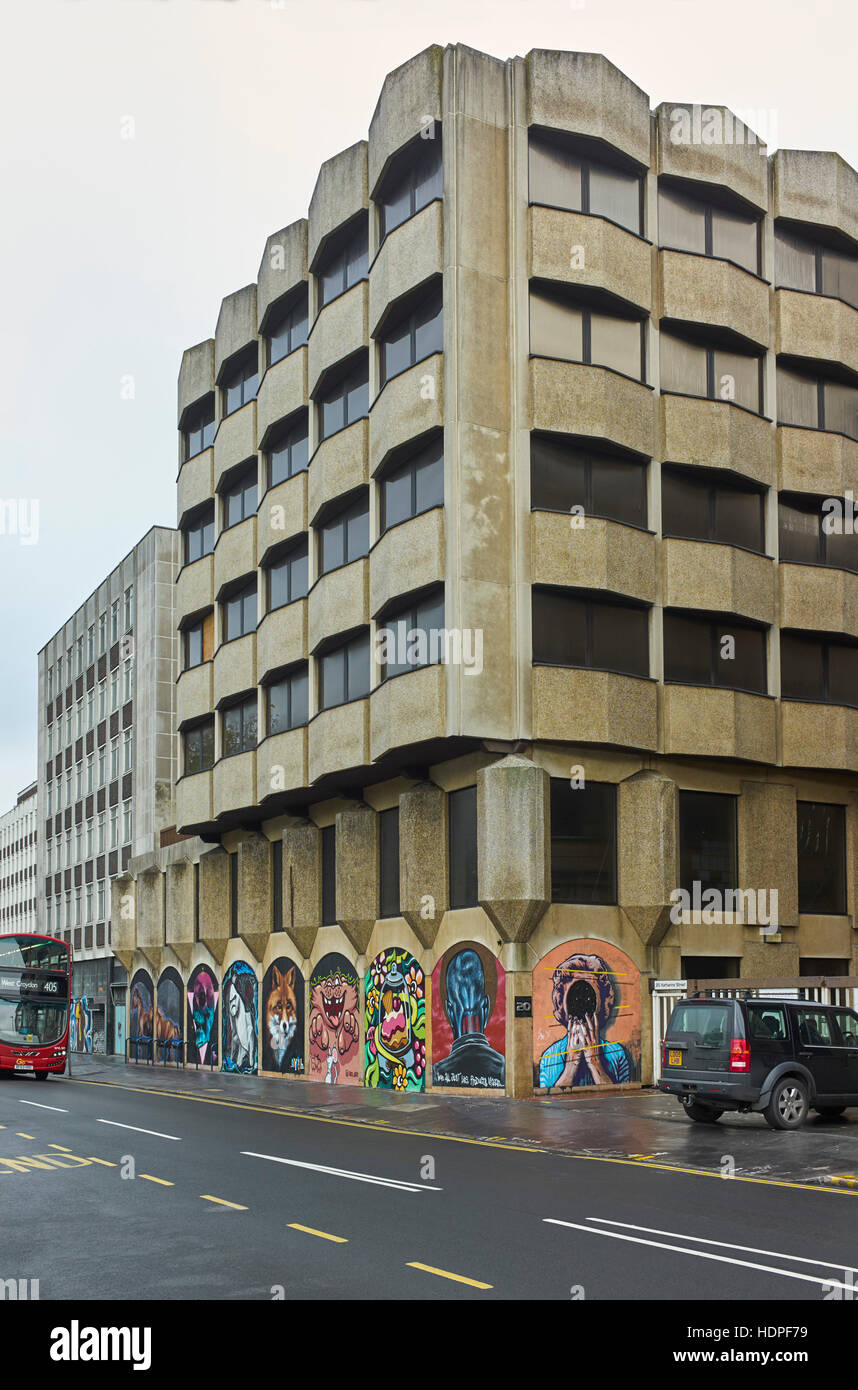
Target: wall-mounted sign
<point x="523" y="1006"/>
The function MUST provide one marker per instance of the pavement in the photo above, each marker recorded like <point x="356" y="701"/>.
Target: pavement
<point x="149" y="1182"/>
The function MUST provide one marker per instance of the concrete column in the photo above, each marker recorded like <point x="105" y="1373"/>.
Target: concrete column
<point x="179" y="927"/>
<point x="423" y="882"/>
<point x="519" y="1036"/>
<point x="214" y="902"/>
<point x="647" y="851"/>
<point x="767" y="849"/>
<point x="150" y="916"/>
<point x="255" y="893"/>
<point x="357" y="874"/>
<point x="123" y="918"/>
<point x="513" y="845"/>
<point x="302" y="884"/>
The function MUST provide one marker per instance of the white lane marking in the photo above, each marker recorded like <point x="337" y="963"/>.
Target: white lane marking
<point x="726" y="1244"/>
<point x="402" y="1186"/>
<point x="702" y="1254"/>
<point x="43" y="1107"/>
<point x="138" y="1130"/>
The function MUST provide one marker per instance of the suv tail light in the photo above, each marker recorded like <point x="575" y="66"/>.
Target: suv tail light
<point x="740" y="1055"/>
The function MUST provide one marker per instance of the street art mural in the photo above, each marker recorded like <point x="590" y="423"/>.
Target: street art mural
<point x="283" y="1018"/>
<point x="334" y="1022"/>
<point x="240" y="1017"/>
<point x="586" y="1017"/>
<point x="80" y="1026"/>
<point x="469" y="1018"/>
<point x="395" y="1046"/>
<point x="141" y="997"/>
<point x="202" y="994"/>
<point x="168" y="1016"/>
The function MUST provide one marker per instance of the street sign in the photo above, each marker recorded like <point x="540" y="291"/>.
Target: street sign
<point x="668" y="986"/>
<point x="523" y="1006"/>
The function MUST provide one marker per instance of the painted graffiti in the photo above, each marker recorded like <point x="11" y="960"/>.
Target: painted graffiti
<point x="283" y="1018"/>
<point x="334" y="1022"/>
<point x="202" y="994"/>
<point x="469" y="1018"/>
<point x="586" y="1017"/>
<point x="240" y="1014"/>
<point x="395" y="1047"/>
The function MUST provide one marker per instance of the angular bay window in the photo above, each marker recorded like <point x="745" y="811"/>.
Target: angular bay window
<point x="344" y="672"/>
<point x="690" y="367"/>
<point x="239" y="380"/>
<point x="412" y="483"/>
<point x="562" y="327"/>
<point x="198" y="426"/>
<point x="198" y="531"/>
<point x="818" y="669"/>
<point x="803" y="263"/>
<point x="821" y="858"/>
<point x="564" y="473"/>
<point x="812" y="533"/>
<point x="199" y="641"/>
<point x="286" y="701"/>
<point x="345" y="260"/>
<point x="239" y="499"/>
<point x="412" y="333"/>
<point x="583" y="842"/>
<point x="286" y="327"/>
<point x="199" y="757"/>
<point x="344" y="396"/>
<point x="573" y="629"/>
<point x="462" y="845"/>
<point x="344" y="537"/>
<point x="702" y="506"/>
<point x="699" y="650"/>
<point x="689" y="222"/>
<point x="414" y="179"/>
<point x="410" y="635"/>
<point x="287" y="451"/>
<point x="287" y="576"/>
<point x="239" y="727"/>
<point x="708" y="852"/>
<point x="566" y="173"/>
<point x="809" y="401"/>
<point x="238" y="611"/>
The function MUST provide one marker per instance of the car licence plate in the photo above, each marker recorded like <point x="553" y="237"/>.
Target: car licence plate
<point x="674" y="1059"/>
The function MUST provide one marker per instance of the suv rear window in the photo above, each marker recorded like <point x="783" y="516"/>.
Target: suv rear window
<point x="709" y="1023"/>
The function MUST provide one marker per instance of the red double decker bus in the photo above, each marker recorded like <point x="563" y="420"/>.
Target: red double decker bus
<point x="35" y="988"/>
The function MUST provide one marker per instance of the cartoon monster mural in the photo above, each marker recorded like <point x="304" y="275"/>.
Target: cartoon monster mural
<point x="587" y="1009"/>
<point x="283" y="1018"/>
<point x="168" y="1015"/>
<point x="469" y="1018"/>
<point x="202" y="995"/>
<point x="334" y="1023"/>
<point x="395" y="1047"/>
<point x="142" y="1011"/>
<point x="240" y="1014"/>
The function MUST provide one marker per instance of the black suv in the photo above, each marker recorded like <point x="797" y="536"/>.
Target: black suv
<point x="783" y="1057"/>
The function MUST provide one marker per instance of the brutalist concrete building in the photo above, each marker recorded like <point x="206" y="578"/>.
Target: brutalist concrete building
<point x="106" y="721"/>
<point x="518" y="593"/>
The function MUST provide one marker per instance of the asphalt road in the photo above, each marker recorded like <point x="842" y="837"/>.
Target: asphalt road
<point x="149" y="1185"/>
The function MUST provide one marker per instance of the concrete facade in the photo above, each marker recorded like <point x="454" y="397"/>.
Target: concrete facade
<point x="19" y="836"/>
<point x="518" y="724"/>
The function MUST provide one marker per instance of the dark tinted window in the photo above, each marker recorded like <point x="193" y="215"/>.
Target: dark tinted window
<point x="573" y="631"/>
<point x="814" y="532"/>
<point x="562" y="328"/>
<point x="699" y="507"/>
<point x="344" y="263"/>
<point x="388" y="862"/>
<point x="563" y="177"/>
<point x="583" y="842"/>
<point x="199" y="747"/>
<point x="707" y="841"/>
<point x="688" y="223"/>
<point x="702" y="651"/>
<point x="199" y="426"/>
<point x="239" y="383"/>
<point x="802" y="264"/>
<point x="345" y="537"/>
<point x="287" y="577"/>
<point x="240" y="498"/>
<point x="239" y="612"/>
<point x="415" y="181"/>
<point x="329" y="875"/>
<point x="344" y="673"/>
<point x="815" y="669"/>
<point x="413" y="486"/>
<point x="711" y="1023"/>
<point x="344" y="400"/>
<point x="287" y="452"/>
<point x="562" y="475"/>
<point x="405" y="637"/>
<point x="821" y="858"/>
<point x="413" y="335"/>
<point x="199" y="535"/>
<point x="287" y="702"/>
<point x="288" y="330"/>
<point x="691" y="368"/>
<point x="767" y="1022"/>
<point x="239" y="727"/>
<point x="462" y="807"/>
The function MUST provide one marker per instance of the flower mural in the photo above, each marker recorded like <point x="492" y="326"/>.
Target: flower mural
<point x="395" y="1048"/>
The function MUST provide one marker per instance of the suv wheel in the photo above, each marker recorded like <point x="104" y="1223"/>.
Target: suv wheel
<point x="703" y="1114"/>
<point x="788" y="1104"/>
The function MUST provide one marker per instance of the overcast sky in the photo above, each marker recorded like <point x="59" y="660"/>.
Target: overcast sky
<point x="116" y="252"/>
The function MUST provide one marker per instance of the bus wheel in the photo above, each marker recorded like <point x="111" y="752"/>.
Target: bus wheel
<point x="41" y="1076"/>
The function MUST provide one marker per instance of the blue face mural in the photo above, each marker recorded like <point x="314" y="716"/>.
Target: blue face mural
<point x="240" y="1013"/>
<point x="202" y="995"/>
